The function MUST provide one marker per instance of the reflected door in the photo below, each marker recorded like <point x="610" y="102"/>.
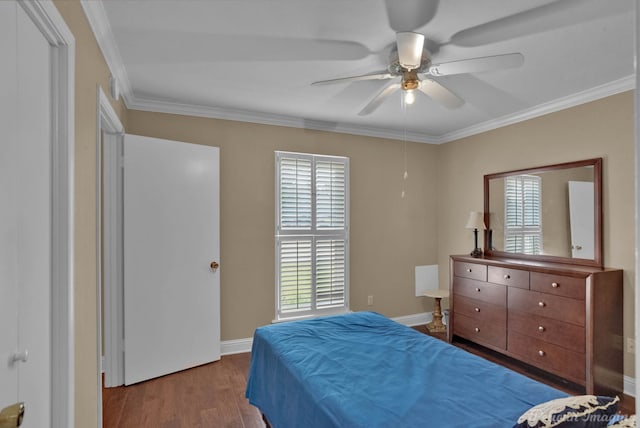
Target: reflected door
<point x="581" y="219"/>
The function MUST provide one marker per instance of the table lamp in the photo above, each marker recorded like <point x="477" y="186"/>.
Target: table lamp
<point x="475" y="222"/>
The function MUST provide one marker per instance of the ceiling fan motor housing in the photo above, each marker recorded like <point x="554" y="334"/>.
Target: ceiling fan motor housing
<point x="410" y="80"/>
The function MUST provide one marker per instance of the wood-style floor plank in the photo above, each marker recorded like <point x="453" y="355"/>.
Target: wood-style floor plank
<point x="212" y="396"/>
<point x="207" y="396"/>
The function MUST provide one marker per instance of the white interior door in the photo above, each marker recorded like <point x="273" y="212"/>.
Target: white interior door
<point x="581" y="218"/>
<point x="25" y="215"/>
<point x="171" y="236"/>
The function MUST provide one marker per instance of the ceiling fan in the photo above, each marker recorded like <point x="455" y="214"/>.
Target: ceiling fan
<point x="410" y="64"/>
<point x="411" y="70"/>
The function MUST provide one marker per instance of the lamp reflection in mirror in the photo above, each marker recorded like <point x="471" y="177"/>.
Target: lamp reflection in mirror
<point x="475" y="222"/>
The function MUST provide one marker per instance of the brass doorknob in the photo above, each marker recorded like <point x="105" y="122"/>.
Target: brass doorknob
<point x="11" y="417"/>
<point x="214" y="265"/>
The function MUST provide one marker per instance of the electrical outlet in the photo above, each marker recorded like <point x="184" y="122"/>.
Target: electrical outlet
<point x="631" y="345"/>
<point x="370" y="301"/>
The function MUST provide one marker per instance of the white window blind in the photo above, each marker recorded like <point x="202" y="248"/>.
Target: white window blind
<point x="312" y="221"/>
<point x="523" y="214"/>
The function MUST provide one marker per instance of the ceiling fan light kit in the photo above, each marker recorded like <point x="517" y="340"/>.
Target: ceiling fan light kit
<point x="409" y="96"/>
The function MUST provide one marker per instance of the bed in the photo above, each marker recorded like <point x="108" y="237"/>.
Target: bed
<point x="364" y="370"/>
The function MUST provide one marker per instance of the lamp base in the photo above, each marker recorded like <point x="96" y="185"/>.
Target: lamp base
<point x="476" y="253"/>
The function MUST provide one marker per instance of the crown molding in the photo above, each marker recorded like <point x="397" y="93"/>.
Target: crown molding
<point x="239" y="115"/>
<point x="608" y="89"/>
<point x="611" y="88"/>
<point x="96" y="15"/>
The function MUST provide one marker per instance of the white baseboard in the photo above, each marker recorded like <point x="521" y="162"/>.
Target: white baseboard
<point x="236" y="346"/>
<point x="629" y="385"/>
<point x="415" y="319"/>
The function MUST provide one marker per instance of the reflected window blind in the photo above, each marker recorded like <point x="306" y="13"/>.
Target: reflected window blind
<point x="523" y="214"/>
<point x="311" y="234"/>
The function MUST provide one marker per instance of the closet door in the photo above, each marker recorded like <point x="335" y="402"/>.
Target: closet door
<point x="25" y="215"/>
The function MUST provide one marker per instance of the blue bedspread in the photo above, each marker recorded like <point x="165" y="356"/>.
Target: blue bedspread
<point x="365" y="370"/>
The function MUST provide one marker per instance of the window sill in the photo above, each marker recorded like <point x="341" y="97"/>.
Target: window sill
<point x="311" y="316"/>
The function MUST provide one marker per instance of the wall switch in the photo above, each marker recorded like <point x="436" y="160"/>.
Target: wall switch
<point x="631" y="345"/>
<point x="370" y="301"/>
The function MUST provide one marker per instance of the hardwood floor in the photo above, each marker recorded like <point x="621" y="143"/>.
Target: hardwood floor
<point x="212" y="396"/>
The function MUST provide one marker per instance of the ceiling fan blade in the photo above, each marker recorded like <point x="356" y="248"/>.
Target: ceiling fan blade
<point x="208" y="47"/>
<point x="476" y="65"/>
<point x="409" y="15"/>
<point x="410" y="49"/>
<point x="441" y="94"/>
<point x="379" y="98"/>
<point x="558" y="14"/>
<point x="379" y="75"/>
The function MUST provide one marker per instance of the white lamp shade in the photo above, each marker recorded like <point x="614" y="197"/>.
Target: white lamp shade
<point x="476" y="220"/>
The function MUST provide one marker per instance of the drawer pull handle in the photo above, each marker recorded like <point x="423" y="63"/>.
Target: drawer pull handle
<point x="541" y="328"/>
<point x="542" y="304"/>
<point x="541" y="353"/>
<point x="507" y="276"/>
<point x="477" y="289"/>
<point x="477" y="330"/>
<point x="469" y="270"/>
<point x="555" y="284"/>
<point x="476" y="309"/>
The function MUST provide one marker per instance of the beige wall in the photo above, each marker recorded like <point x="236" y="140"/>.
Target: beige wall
<point x="389" y="235"/>
<point x="91" y="71"/>
<point x="602" y="128"/>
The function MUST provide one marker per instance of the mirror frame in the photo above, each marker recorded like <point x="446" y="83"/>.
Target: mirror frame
<point x="597" y="215"/>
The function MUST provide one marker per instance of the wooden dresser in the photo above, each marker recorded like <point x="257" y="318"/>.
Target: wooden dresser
<point x="564" y="319"/>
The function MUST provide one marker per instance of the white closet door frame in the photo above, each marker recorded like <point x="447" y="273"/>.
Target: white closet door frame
<point x="46" y="17"/>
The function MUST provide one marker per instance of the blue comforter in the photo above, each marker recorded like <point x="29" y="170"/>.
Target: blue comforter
<point x="365" y="370"/>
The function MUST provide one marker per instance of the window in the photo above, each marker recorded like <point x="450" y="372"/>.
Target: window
<point x="523" y="220"/>
<point x="312" y="234"/>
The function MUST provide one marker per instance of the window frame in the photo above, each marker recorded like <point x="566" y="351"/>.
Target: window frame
<point x="313" y="234"/>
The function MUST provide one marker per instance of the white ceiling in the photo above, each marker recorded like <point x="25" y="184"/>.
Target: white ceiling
<point x="254" y="60"/>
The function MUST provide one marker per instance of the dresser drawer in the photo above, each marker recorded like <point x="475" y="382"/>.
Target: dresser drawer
<point x="483" y="332"/>
<point x="566" y="286"/>
<point x="479" y="310"/>
<point x="470" y="270"/>
<point x="547" y="305"/>
<point x="510" y="277"/>
<point x="484" y="291"/>
<point x="559" y="333"/>
<point x="547" y="356"/>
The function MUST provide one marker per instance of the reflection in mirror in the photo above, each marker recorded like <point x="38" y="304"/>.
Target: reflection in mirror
<point x="547" y="212"/>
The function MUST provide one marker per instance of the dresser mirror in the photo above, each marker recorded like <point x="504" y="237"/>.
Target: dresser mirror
<point x="548" y="213"/>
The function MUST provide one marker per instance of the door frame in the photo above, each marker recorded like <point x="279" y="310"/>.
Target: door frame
<point x="48" y="20"/>
<point x="109" y="236"/>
